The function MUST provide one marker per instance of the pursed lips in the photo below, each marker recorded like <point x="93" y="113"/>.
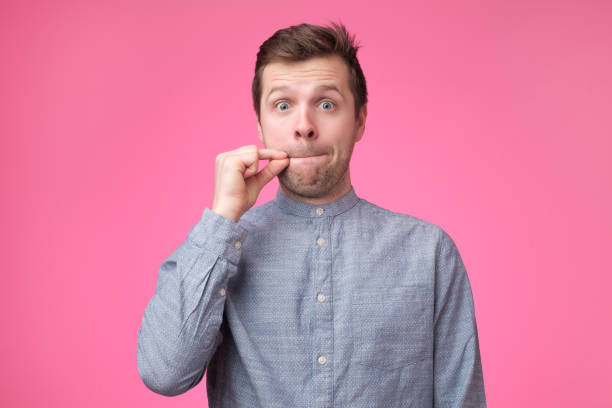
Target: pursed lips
<point x="305" y="156"/>
<point x="307" y="159"/>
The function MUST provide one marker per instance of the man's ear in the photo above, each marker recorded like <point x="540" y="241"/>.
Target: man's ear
<point x="361" y="121"/>
<point x="259" y="130"/>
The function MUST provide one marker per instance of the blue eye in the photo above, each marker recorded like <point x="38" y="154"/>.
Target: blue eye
<point x="283" y="106"/>
<point x="327" y="105"/>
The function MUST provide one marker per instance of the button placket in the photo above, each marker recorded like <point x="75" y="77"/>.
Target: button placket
<point x="323" y="334"/>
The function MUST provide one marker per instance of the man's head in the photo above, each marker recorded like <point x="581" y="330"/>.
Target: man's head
<point x="310" y="99"/>
<point x="305" y="41"/>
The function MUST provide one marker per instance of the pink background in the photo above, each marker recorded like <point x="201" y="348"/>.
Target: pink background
<point x="490" y="119"/>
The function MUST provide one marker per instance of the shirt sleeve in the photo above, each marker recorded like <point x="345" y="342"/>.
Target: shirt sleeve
<point x="458" y="379"/>
<point x="180" y="328"/>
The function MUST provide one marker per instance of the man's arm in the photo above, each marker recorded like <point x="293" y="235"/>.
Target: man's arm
<point x="180" y="328"/>
<point x="458" y="380"/>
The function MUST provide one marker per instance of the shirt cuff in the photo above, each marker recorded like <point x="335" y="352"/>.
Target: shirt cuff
<point x="219" y="235"/>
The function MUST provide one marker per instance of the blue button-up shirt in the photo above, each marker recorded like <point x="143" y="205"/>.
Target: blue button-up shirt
<point x="344" y="304"/>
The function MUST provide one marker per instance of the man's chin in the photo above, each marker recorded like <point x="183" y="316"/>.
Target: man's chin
<point x="303" y="188"/>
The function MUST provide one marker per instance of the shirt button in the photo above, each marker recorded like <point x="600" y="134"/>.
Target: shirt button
<point x="320" y="211"/>
<point x="322" y="360"/>
<point x="237" y="244"/>
<point x="320" y="241"/>
<point x="222" y="291"/>
<point x="320" y="297"/>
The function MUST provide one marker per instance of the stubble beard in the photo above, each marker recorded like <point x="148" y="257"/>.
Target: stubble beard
<point x="324" y="181"/>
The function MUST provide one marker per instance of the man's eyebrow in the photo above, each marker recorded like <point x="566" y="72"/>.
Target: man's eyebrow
<point x="328" y="88"/>
<point x="276" y="89"/>
<point x="318" y="88"/>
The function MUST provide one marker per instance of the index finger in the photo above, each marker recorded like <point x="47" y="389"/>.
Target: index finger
<point x="267" y="154"/>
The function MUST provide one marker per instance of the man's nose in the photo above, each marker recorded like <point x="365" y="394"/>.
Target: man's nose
<point x="305" y="127"/>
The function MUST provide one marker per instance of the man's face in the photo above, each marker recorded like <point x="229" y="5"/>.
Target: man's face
<point x="307" y="110"/>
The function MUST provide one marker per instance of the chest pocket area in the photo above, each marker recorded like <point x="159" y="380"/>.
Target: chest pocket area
<point x="391" y="326"/>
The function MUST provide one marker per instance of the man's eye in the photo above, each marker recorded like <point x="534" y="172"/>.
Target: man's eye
<point x="327" y="105"/>
<point x="283" y="106"/>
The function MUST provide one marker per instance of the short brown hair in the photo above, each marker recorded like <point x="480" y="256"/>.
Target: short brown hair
<point x="305" y="41"/>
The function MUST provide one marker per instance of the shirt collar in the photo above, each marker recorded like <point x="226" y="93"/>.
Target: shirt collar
<point x="303" y="209"/>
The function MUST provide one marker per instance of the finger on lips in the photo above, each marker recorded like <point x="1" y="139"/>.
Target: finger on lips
<point x="267" y="154"/>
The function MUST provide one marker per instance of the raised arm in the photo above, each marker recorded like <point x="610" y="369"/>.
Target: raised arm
<point x="180" y="328"/>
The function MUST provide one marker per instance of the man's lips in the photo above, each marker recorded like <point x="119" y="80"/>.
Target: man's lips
<point x="307" y="160"/>
<point x="303" y="156"/>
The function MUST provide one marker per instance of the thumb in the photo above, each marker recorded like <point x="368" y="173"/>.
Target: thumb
<point x="271" y="170"/>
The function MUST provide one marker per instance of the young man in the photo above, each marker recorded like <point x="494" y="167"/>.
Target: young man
<point x="317" y="298"/>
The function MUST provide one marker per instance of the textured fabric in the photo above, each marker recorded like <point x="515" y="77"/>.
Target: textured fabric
<point x="339" y="305"/>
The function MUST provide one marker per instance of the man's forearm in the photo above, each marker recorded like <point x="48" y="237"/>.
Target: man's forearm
<point x="180" y="328"/>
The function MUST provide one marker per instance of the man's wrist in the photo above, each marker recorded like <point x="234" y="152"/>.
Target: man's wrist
<point x="218" y="235"/>
<point x="232" y="216"/>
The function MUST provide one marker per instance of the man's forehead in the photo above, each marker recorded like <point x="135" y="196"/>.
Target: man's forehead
<point x="283" y="87"/>
<point x="321" y="72"/>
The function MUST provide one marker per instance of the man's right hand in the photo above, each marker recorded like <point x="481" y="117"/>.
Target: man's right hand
<point x="237" y="182"/>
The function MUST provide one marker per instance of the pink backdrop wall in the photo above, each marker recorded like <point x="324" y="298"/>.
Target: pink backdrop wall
<point x="490" y="119"/>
